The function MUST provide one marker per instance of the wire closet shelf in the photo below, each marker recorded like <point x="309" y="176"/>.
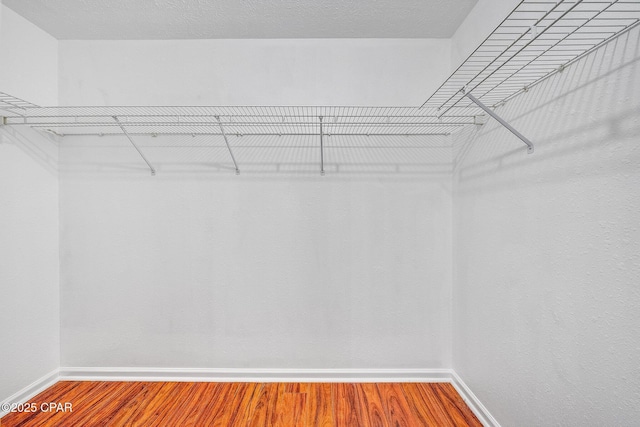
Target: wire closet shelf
<point x="536" y="40"/>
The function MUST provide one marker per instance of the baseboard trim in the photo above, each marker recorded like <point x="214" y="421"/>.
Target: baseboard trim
<point x="31" y="390"/>
<point x="473" y="402"/>
<point x="255" y="375"/>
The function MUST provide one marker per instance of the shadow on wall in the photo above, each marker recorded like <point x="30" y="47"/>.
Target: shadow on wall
<point x="573" y="113"/>
<point x="261" y="157"/>
<point x="40" y="146"/>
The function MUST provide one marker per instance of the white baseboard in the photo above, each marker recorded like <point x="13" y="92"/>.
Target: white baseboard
<point x="473" y="402"/>
<point x="255" y="375"/>
<point x="31" y="390"/>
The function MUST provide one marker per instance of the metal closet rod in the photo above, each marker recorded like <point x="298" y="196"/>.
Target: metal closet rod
<point x="125" y="117"/>
<point x="240" y="124"/>
<point x="239" y="135"/>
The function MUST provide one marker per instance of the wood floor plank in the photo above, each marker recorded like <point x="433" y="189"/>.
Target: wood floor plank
<point x="396" y="407"/>
<point x="105" y="403"/>
<point x="117" y="405"/>
<point x="150" y="413"/>
<point x="219" y="405"/>
<point x="228" y="410"/>
<point x="184" y="402"/>
<point x="373" y="404"/>
<point x="423" y="411"/>
<point x="82" y="390"/>
<point x="133" y="396"/>
<point x="204" y="396"/>
<point x="293" y="387"/>
<point x="249" y="404"/>
<point x="210" y="403"/>
<point x="431" y="400"/>
<point x="348" y="406"/>
<point x="136" y="406"/>
<point x="275" y="402"/>
<point x="238" y="410"/>
<point x="170" y="410"/>
<point x="319" y="403"/>
<point x="455" y="407"/>
<point x="260" y="415"/>
<point x="83" y="398"/>
<point x="52" y="394"/>
<point x="291" y="408"/>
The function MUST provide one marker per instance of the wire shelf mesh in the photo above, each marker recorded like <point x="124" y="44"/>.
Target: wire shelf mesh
<point x="537" y="39"/>
<point x="245" y="120"/>
<point x="13" y="105"/>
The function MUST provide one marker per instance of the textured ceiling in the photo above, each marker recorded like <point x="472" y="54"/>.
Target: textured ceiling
<point x="210" y="19"/>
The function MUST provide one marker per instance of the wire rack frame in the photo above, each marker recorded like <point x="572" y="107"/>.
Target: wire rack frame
<point x="242" y="120"/>
<point x="536" y="40"/>
<point x="15" y="105"/>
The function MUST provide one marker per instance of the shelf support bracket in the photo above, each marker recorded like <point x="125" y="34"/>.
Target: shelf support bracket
<point x="153" y="170"/>
<point x="490" y="112"/>
<point x="226" y="141"/>
<point x="321" y="148"/>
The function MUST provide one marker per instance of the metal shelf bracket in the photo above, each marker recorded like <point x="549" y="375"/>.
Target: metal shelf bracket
<point x="500" y="120"/>
<point x="153" y="170"/>
<point x="321" y="148"/>
<point x="226" y="141"/>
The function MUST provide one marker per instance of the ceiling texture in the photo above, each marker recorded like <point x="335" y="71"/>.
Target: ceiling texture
<point x="243" y="19"/>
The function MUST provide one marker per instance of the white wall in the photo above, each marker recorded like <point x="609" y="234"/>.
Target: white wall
<point x="277" y="267"/>
<point x="29" y="66"/>
<point x="547" y="246"/>
<point x="254" y="271"/>
<point x="29" y="274"/>
<point x="485" y="16"/>
<point x="372" y="72"/>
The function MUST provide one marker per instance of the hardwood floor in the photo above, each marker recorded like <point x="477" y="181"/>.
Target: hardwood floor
<point x="246" y="404"/>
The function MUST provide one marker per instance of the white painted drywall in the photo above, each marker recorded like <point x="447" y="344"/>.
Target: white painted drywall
<point x="373" y="72"/>
<point x="547" y="249"/>
<point x="29" y="273"/>
<point x="277" y="267"/>
<point x="257" y="271"/>
<point x="29" y="66"/>
<point x="485" y="16"/>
